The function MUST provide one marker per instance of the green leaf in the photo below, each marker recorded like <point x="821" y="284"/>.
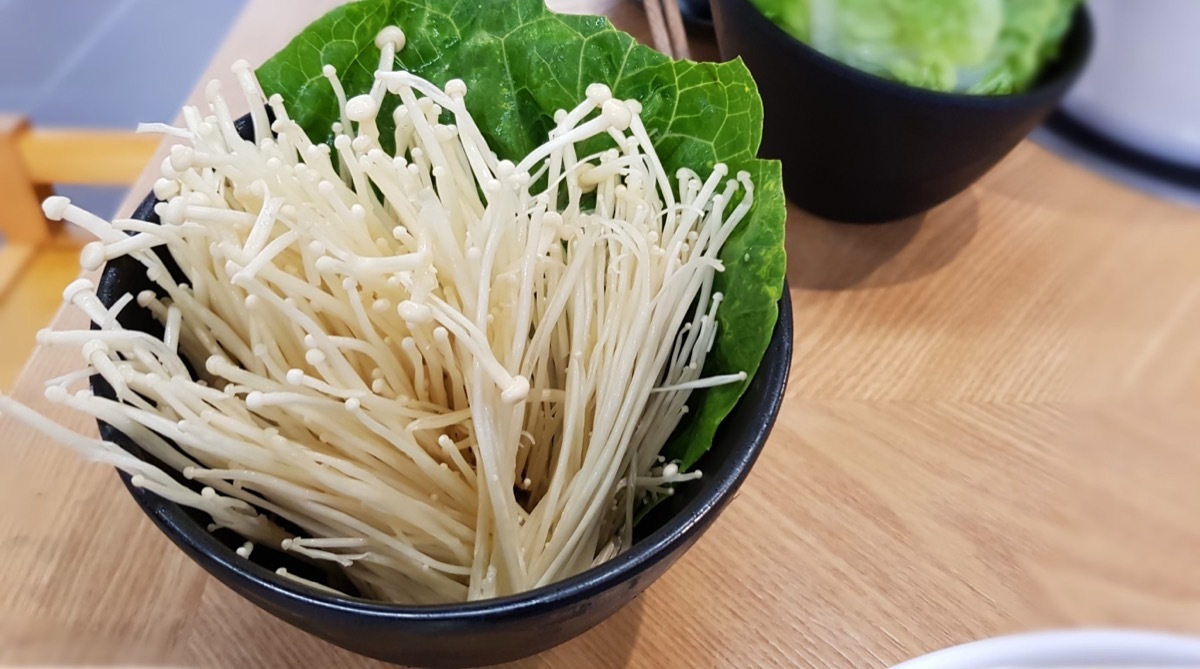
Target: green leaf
<point x="521" y="62"/>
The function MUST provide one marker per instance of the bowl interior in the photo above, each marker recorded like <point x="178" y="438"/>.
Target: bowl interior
<point x="738" y="443"/>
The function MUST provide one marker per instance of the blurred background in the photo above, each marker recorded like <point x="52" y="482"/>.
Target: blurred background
<point x="87" y="71"/>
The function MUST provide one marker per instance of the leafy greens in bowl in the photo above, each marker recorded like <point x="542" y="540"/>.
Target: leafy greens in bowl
<point x="863" y="148"/>
<point x="985" y="47"/>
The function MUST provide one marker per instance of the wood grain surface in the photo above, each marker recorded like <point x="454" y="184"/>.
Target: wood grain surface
<point x="991" y="427"/>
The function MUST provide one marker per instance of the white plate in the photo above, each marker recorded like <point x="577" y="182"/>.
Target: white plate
<point x="1077" y="649"/>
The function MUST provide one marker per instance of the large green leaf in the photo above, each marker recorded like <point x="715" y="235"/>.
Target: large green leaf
<point x="521" y="62"/>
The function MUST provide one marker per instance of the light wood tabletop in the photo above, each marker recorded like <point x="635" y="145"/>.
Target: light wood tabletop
<point x="993" y="425"/>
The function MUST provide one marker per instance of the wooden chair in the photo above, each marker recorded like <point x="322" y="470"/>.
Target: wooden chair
<point x="32" y="160"/>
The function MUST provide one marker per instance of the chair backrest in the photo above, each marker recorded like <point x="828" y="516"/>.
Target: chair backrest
<point x="31" y="160"/>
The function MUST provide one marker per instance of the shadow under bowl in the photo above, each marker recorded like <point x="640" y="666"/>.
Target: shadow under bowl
<point x="476" y="633"/>
<point x="860" y="148"/>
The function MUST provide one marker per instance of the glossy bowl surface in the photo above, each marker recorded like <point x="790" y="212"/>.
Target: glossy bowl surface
<point x="479" y="633"/>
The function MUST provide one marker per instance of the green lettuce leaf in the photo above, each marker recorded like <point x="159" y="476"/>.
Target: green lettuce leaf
<point x="966" y="46"/>
<point x="521" y="62"/>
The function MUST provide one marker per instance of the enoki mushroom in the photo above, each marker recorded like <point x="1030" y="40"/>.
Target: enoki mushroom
<point x="453" y="373"/>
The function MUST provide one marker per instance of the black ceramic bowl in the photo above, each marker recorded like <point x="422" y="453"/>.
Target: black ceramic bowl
<point x="860" y="148"/>
<point x="486" y="632"/>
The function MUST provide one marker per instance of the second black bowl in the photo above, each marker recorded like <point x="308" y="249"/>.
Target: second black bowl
<point x="860" y="148"/>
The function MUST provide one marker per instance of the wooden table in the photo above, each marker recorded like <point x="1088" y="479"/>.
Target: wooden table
<point x="992" y="426"/>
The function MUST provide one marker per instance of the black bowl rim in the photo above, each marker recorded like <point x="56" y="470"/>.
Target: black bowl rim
<point x="1081" y="29"/>
<point x="223" y="563"/>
